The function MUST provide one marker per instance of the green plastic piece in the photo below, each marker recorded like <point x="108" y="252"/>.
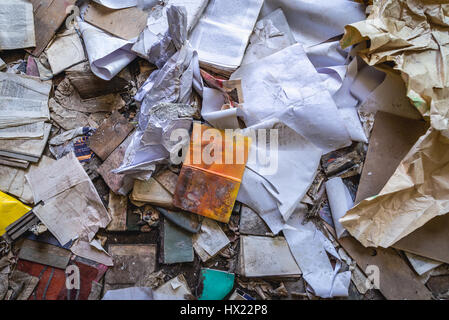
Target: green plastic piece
<point x="216" y="284"/>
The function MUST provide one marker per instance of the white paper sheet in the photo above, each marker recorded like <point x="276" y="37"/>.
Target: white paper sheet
<point x="122" y="4"/>
<point x="253" y="193"/>
<point x="174" y="289"/>
<point x="287" y="85"/>
<point x="108" y="55"/>
<point x="313" y="22"/>
<point x="92" y="251"/>
<point x="222" y="34"/>
<point x="309" y="246"/>
<point x="297" y="160"/>
<point x="271" y="34"/>
<point x="132" y="294"/>
<point x="340" y="202"/>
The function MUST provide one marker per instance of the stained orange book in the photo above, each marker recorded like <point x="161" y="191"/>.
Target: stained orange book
<point x="212" y="172"/>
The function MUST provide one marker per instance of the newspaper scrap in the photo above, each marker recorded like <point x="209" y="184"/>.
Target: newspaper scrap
<point x="28" y="131"/>
<point x="16" y="25"/>
<point x="20" y="152"/>
<point x="72" y="208"/>
<point x="23" y="100"/>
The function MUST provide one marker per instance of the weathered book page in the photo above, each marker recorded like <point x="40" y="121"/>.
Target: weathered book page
<point x="16" y="25"/>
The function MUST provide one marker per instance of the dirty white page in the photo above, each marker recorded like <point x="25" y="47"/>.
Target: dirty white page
<point x="175" y="289"/>
<point x="421" y="264"/>
<point x="16" y="25"/>
<point x="66" y="50"/>
<point x="287" y="85"/>
<point x="210" y="240"/>
<point x="30" y="147"/>
<point x="313" y="22"/>
<point x="27" y="131"/>
<point x="309" y="246"/>
<point x="23" y="100"/>
<point x="222" y="34"/>
<point x="72" y="207"/>
<point x="340" y="202"/>
<point x="271" y="34"/>
<point x="13" y="181"/>
<point x="266" y="257"/>
<point x="108" y="55"/>
<point x="157" y="24"/>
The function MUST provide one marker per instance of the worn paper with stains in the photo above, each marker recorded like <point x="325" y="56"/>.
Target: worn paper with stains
<point x="16" y="25"/>
<point x="72" y="207"/>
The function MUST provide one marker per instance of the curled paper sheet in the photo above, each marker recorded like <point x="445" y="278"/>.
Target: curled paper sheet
<point x="313" y="22"/>
<point x="212" y="112"/>
<point x="255" y="195"/>
<point x="416" y="193"/>
<point x="108" y="55"/>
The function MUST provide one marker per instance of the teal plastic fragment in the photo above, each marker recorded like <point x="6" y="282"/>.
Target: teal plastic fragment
<point x="216" y="284"/>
